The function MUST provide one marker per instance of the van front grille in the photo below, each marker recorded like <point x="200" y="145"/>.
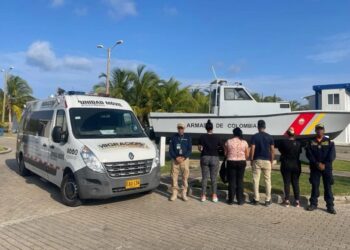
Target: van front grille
<point x="128" y="168"/>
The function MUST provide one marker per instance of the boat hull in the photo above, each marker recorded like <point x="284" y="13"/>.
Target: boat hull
<point x="164" y="124"/>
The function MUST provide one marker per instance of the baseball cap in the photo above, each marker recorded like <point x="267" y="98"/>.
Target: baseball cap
<point x="181" y="125"/>
<point x="319" y="126"/>
<point x="291" y="131"/>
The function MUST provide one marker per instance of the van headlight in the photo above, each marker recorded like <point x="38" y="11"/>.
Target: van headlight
<point x="91" y="160"/>
<point x="156" y="160"/>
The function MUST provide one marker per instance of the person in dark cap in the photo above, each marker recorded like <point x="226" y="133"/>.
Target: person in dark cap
<point x="209" y="145"/>
<point x="290" y="150"/>
<point x="321" y="153"/>
<point x="262" y="155"/>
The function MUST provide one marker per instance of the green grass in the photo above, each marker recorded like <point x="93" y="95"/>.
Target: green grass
<point x="2" y="148"/>
<point x="341" y="186"/>
<point x="339" y="165"/>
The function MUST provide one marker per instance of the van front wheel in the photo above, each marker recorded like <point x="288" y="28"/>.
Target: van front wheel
<point x="69" y="191"/>
<point x="22" y="170"/>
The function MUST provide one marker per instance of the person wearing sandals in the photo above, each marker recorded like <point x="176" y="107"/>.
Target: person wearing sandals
<point x="209" y="147"/>
<point x="237" y="152"/>
<point x="290" y="150"/>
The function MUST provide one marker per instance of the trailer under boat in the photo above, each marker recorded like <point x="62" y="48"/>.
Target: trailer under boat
<point x="233" y="106"/>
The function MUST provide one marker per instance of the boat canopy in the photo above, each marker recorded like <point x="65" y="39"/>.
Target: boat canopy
<point x="235" y="100"/>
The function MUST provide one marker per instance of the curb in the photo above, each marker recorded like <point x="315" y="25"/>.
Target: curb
<point x="8" y="150"/>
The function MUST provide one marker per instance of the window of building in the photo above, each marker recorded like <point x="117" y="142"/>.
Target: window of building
<point x="333" y="99"/>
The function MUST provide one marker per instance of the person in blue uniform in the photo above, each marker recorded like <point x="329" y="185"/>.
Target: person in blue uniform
<point x="321" y="153"/>
<point x="180" y="149"/>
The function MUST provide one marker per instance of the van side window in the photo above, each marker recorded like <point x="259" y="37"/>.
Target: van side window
<point x="39" y="123"/>
<point x="61" y="120"/>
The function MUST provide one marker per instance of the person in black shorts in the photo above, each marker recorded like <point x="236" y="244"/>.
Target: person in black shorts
<point x="290" y="150"/>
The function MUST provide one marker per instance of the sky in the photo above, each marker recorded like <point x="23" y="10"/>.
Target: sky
<point x="271" y="46"/>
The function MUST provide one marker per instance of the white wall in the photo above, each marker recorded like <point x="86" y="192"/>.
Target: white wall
<point x="344" y="104"/>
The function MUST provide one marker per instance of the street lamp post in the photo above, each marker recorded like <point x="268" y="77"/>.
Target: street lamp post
<point x="109" y="50"/>
<point x="5" y="92"/>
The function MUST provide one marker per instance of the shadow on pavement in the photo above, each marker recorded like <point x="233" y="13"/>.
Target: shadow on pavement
<point x="55" y="191"/>
<point x="36" y="180"/>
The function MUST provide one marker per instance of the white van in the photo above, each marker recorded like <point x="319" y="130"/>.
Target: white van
<point x="91" y="147"/>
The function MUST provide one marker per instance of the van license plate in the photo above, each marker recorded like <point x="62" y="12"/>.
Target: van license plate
<point x="135" y="183"/>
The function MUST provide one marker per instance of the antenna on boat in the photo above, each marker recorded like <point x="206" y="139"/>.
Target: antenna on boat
<point x="214" y="73"/>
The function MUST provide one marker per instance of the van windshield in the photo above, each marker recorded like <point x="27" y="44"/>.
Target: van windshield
<point x="104" y="123"/>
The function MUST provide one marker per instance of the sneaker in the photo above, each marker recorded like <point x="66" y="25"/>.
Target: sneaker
<point x="173" y="195"/>
<point x="203" y="198"/>
<point x="229" y="202"/>
<point x="331" y="210"/>
<point x="240" y="203"/>
<point x="184" y="195"/>
<point x="215" y="198"/>
<point x="311" y="208"/>
<point x="286" y="203"/>
<point x="268" y="203"/>
<point x="254" y="202"/>
<point x="297" y="203"/>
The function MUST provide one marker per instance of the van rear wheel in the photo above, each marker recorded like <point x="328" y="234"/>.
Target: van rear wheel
<point x="70" y="191"/>
<point x="22" y="170"/>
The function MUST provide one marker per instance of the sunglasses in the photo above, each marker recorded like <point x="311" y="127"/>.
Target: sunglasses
<point x="180" y="128"/>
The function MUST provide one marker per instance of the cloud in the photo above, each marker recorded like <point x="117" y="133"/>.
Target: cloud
<point x="81" y="11"/>
<point x="119" y="9"/>
<point x="69" y="72"/>
<point x="57" y="3"/>
<point x="333" y="49"/>
<point x="78" y="63"/>
<point x="170" y="11"/>
<point x="235" y="68"/>
<point x="41" y="55"/>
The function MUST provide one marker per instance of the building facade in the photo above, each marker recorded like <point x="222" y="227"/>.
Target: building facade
<point x="332" y="97"/>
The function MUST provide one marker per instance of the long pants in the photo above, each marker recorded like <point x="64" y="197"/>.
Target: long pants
<point x="182" y="168"/>
<point x="291" y="175"/>
<point x="327" y="177"/>
<point x="265" y="167"/>
<point x="209" y="166"/>
<point x="235" y="175"/>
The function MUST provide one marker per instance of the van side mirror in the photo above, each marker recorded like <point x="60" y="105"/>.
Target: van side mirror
<point x="150" y="133"/>
<point x="58" y="135"/>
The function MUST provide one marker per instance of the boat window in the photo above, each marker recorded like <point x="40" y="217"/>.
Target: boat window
<point x="236" y="94"/>
<point x="215" y="97"/>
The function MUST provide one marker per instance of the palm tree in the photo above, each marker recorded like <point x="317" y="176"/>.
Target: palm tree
<point x="295" y="105"/>
<point x="202" y="100"/>
<point x="143" y="86"/>
<point x="171" y="98"/>
<point x="119" y="84"/>
<point x="18" y="93"/>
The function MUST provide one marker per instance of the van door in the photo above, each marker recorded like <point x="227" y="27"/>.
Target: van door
<point x="57" y="159"/>
<point x="36" y="143"/>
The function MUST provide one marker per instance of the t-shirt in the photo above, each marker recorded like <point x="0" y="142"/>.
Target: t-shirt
<point x="236" y="149"/>
<point x="263" y="142"/>
<point x="210" y="144"/>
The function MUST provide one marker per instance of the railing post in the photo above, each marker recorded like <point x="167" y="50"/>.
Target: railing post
<point x="162" y="151"/>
